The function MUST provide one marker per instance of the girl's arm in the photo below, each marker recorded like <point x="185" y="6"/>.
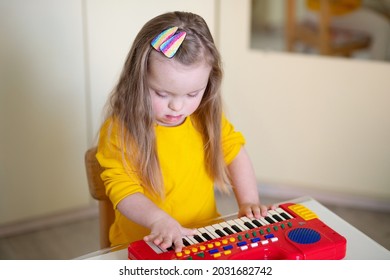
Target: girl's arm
<point x="165" y="230"/>
<point x="244" y="184"/>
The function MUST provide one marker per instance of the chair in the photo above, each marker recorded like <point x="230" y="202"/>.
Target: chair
<point x="327" y="40"/>
<point x="97" y="191"/>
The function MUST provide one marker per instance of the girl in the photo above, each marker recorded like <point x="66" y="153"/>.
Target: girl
<point x="166" y="141"/>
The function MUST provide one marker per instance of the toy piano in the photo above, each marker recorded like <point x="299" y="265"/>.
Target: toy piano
<point x="290" y="232"/>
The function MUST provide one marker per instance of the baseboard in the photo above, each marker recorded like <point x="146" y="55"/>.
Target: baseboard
<point x="40" y="223"/>
<point x="284" y="192"/>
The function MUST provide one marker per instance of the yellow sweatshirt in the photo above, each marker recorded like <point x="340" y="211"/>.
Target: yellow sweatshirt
<point x="189" y="191"/>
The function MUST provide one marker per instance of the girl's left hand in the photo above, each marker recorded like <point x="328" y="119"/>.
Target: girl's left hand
<point x="254" y="210"/>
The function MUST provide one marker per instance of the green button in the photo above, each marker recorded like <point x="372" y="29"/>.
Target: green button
<point x="254" y="233"/>
<point x="268" y="230"/>
<point x="289" y="224"/>
<point x="282" y="226"/>
<point x="247" y="235"/>
<point x="276" y="228"/>
<point x="239" y="237"/>
<point x="261" y="232"/>
<point x="201" y="254"/>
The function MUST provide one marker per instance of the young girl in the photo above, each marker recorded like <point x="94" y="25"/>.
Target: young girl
<point x="166" y="142"/>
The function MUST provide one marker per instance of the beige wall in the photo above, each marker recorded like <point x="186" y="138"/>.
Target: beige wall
<point x="314" y="122"/>
<point x="59" y="60"/>
<point x="321" y="124"/>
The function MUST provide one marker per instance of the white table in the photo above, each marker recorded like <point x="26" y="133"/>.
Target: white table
<point x="359" y="245"/>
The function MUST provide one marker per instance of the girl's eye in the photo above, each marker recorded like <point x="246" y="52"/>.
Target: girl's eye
<point x="159" y="94"/>
<point x="193" y="95"/>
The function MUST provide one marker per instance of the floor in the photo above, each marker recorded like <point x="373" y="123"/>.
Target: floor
<point x="75" y="239"/>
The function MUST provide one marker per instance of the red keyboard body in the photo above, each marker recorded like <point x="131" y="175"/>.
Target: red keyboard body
<point x="296" y="234"/>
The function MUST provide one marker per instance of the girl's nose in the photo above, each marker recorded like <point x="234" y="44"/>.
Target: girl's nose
<point x="175" y="104"/>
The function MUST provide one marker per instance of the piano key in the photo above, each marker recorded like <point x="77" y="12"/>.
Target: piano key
<point x="264" y="221"/>
<point x="205" y="234"/>
<point x="283" y="213"/>
<point x="275" y="215"/>
<point x="226" y="228"/>
<point x="248" y="223"/>
<point x="211" y="231"/>
<point x="185" y="242"/>
<point x="257" y="223"/>
<point x="192" y="239"/>
<point x="156" y="248"/>
<point x="235" y="226"/>
<point x="219" y="230"/>
<point x="199" y="237"/>
<point x="269" y="219"/>
<point x="241" y="223"/>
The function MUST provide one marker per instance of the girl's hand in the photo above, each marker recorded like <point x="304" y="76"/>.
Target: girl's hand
<point x="254" y="210"/>
<point x="167" y="232"/>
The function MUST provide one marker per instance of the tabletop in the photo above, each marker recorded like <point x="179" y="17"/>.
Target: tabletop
<point x="359" y="245"/>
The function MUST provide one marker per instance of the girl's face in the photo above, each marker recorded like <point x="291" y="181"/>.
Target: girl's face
<point x="176" y="90"/>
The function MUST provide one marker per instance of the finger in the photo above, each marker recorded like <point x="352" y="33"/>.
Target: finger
<point x="188" y="231"/>
<point x="263" y="210"/>
<point x="256" y="212"/>
<point x="178" y="244"/>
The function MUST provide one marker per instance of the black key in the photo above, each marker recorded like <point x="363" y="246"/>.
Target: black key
<point x="198" y="238"/>
<point x="257" y="223"/>
<point x="220" y="233"/>
<point x="249" y="225"/>
<point x="268" y="219"/>
<point x="185" y="242"/>
<point x="236" y="228"/>
<point x="285" y="216"/>
<point x="228" y="230"/>
<point x="276" y="217"/>
<point x="208" y="237"/>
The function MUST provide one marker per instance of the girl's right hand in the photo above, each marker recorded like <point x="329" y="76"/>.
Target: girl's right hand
<point x="167" y="232"/>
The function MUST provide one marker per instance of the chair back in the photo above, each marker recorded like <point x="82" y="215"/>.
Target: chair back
<point x="98" y="191"/>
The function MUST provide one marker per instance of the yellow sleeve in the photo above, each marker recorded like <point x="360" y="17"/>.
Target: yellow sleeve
<point x="118" y="182"/>
<point x="232" y="141"/>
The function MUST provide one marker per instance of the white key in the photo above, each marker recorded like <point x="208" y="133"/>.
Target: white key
<point x="212" y="232"/>
<point x="280" y="210"/>
<point x="156" y="248"/>
<point x="233" y="223"/>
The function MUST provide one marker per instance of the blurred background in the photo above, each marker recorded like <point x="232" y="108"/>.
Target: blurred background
<point x="316" y="123"/>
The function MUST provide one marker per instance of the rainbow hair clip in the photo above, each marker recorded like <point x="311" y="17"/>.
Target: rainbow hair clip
<point x="168" y="41"/>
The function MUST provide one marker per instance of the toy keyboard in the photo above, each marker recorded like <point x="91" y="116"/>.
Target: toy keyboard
<point x="291" y="232"/>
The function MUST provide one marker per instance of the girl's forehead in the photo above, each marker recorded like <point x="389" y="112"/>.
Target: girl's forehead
<point x="172" y="76"/>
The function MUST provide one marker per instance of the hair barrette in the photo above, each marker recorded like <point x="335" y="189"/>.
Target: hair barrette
<point x="168" y="41"/>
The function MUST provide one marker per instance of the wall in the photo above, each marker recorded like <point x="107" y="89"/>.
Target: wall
<point x="59" y="61"/>
<point x="43" y="120"/>
<point x="314" y="124"/>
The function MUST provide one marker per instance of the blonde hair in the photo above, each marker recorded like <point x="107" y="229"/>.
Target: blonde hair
<point x="130" y="102"/>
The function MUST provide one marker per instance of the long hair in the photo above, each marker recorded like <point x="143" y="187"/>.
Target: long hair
<point x="130" y="101"/>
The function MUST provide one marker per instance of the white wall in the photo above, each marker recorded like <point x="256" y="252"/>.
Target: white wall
<point x="59" y="61"/>
<point x="43" y="120"/>
<point x="315" y="123"/>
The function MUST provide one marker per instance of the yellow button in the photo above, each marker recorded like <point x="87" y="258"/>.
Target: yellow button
<point x="179" y="254"/>
<point x="187" y="252"/>
<point x="227" y="252"/>
<point x="232" y="239"/>
<point x="210" y="246"/>
<point x="193" y="249"/>
<point x="225" y="241"/>
<point x="216" y="255"/>
<point x="217" y="243"/>
<point x="202" y="247"/>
